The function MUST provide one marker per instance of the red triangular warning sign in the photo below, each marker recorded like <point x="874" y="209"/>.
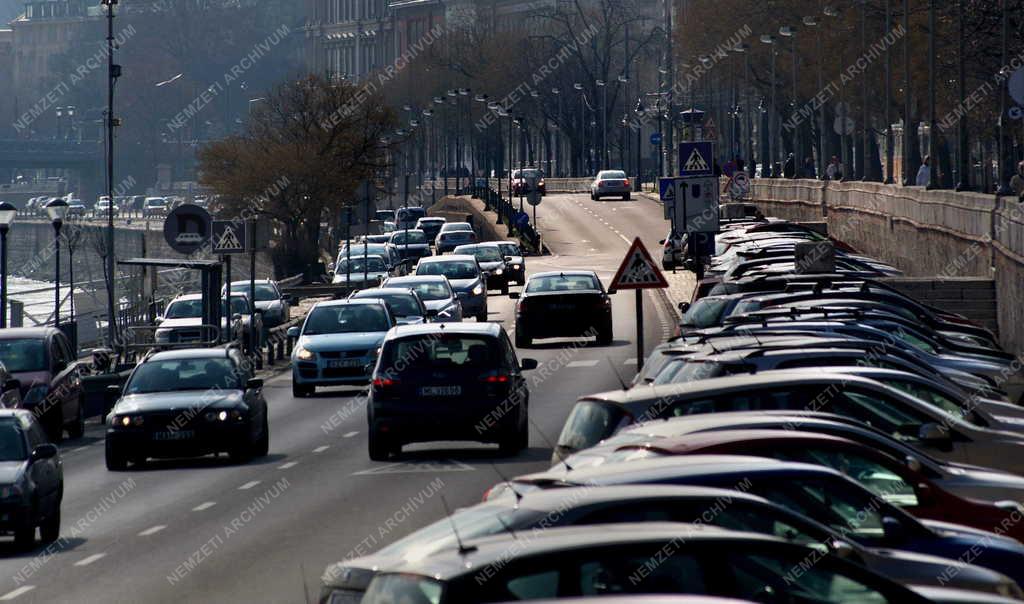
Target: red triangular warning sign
<point x="638" y="270"/>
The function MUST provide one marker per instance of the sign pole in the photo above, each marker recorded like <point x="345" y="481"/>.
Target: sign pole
<point x="254" y="337"/>
<point x="227" y="281"/>
<point x="639" y="330"/>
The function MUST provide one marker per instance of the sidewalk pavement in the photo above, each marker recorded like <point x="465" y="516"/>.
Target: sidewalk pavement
<point x="681" y="283"/>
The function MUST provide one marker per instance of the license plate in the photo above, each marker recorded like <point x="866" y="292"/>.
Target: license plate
<point x="345" y="363"/>
<point x="441" y="390"/>
<point x="175" y="435"/>
<point x="562" y="307"/>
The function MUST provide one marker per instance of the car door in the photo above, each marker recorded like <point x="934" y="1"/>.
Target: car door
<point x="66" y="384"/>
<point x="44" y="473"/>
<point x="511" y="362"/>
<point x="253" y="398"/>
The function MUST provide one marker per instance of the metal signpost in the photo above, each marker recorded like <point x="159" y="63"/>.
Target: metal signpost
<point x="228" y="238"/>
<point x="638" y="272"/>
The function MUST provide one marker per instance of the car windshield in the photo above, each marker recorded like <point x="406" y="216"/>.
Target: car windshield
<point x="384" y="215"/>
<point x="562" y="283"/>
<point x="457" y="226"/>
<point x="12" y="440"/>
<point x="612" y="174"/>
<point x="438" y="352"/>
<point x="347" y="318"/>
<point x="510" y="249"/>
<point x="681" y="371"/>
<point x="184" y="374"/>
<point x="477" y="521"/>
<point x="453" y="269"/>
<point x="400" y="589"/>
<point x="411" y="213"/>
<point x="402" y="305"/>
<point x="704" y="313"/>
<point x="264" y="291"/>
<point x="364" y="249"/>
<point x="371" y="264"/>
<point x="410" y="237"/>
<point x="25" y="354"/>
<point x="484" y="254"/>
<point x="184" y="309"/>
<point x="430" y="290"/>
<point x="239" y="305"/>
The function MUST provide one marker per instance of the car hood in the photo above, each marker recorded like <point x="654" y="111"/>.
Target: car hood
<point x="358" y="277"/>
<point x="925" y="569"/>
<point x="970" y="535"/>
<point x="187" y="322"/>
<point x="410" y="320"/>
<point x="10" y="471"/>
<point x="464" y="285"/>
<point x="342" y="341"/>
<point x="172" y="401"/>
<point x="438" y="304"/>
<point x="490" y="266"/>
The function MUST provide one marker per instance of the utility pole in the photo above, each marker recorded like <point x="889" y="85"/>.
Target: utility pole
<point x="963" y="152"/>
<point x="908" y="178"/>
<point x="888" y="95"/>
<point x="113" y="72"/>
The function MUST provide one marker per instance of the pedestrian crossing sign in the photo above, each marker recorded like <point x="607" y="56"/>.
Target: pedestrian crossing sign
<point x="638" y="270"/>
<point x="229" y="237"/>
<point x="696" y="159"/>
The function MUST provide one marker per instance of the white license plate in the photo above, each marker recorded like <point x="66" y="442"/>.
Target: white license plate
<point x="345" y="363"/>
<point x="441" y="390"/>
<point x="175" y="435"/>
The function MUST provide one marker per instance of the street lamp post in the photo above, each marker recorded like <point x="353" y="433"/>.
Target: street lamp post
<point x="640" y="110"/>
<point x="770" y="41"/>
<point x="113" y="72"/>
<point x="57" y="210"/>
<point x="604" y="122"/>
<point x="908" y="178"/>
<point x="963" y="153"/>
<point x="889" y="159"/>
<point x="790" y="32"/>
<point x="7" y="214"/>
<point x="583" y="130"/>
<point x="558" y="132"/>
<point x="1004" y="173"/>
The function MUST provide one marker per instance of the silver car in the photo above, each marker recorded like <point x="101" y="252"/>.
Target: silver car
<point x="611" y="183"/>
<point x="443" y="305"/>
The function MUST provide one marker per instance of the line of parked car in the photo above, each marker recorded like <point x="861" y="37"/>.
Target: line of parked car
<point x="140" y="206"/>
<point x="806" y="437"/>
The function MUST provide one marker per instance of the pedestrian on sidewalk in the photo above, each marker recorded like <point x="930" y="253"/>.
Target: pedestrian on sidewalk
<point x="834" y="171"/>
<point x="809" y="169"/>
<point x="789" y="170"/>
<point x="924" y="173"/>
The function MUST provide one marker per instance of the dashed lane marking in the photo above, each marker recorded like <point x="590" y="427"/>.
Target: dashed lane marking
<point x="349" y="434"/>
<point x="419" y="467"/>
<point x="204" y="506"/>
<point x="152" y="530"/>
<point x="587" y="363"/>
<point x="321" y="448"/>
<point x="17" y="592"/>
<point x="248" y="485"/>
<point x="89" y="560"/>
<point x="285" y="466"/>
<point x="629" y="362"/>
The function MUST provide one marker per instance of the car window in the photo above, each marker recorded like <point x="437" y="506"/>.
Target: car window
<point x="402" y="589"/>
<point x="486" y="253"/>
<point x="872" y="475"/>
<point x="264" y="291"/>
<point x="612" y="174"/>
<point x="755" y="575"/>
<point x="183" y="374"/>
<point x="933" y="397"/>
<point x="617" y="573"/>
<point x="36" y="434"/>
<point x="56" y="352"/>
<point x="410" y="237"/>
<point x="371" y="264"/>
<point x="887" y="415"/>
<point x="588" y="423"/>
<point x="679" y="371"/>
<point x="704" y="313"/>
<point x="12" y="440"/>
<point x="453" y="269"/>
<point x="402" y="305"/>
<point x="510" y="352"/>
<point x="835" y="503"/>
<point x="23" y="354"/>
<point x="428" y="290"/>
<point x="184" y="309"/>
<point x="741" y="516"/>
<point x="448" y="351"/>
<point x="347" y="318"/>
<point x="510" y="249"/>
<point x="558" y="283"/>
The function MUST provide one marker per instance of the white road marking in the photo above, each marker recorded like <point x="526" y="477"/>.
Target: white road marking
<point x="629" y="362"/>
<point x="204" y="506"/>
<point x="152" y="530"/>
<point x="349" y="434"/>
<point x="248" y="485"/>
<point x="89" y="560"/>
<point x="77" y="449"/>
<point x="285" y="466"/>
<point x="321" y="448"/>
<point x="17" y="592"/>
<point x="589" y="363"/>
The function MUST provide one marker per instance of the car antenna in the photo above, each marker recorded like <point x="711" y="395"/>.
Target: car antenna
<point x="554" y="449"/>
<point x="617" y="376"/>
<point x="508" y="483"/>
<point x="462" y="547"/>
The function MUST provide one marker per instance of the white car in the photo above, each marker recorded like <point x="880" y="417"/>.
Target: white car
<point x="103" y="206"/>
<point x="611" y="183"/>
<point x="360" y="271"/>
<point x="195" y="238"/>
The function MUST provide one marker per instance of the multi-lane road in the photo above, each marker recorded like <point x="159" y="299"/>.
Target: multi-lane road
<point x="209" y="531"/>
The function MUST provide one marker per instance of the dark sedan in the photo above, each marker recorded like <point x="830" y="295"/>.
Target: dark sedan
<point x="31" y="480"/>
<point x="563" y="304"/>
<point x="185" y="403"/>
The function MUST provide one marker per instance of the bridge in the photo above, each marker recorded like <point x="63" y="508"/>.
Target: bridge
<point x="85" y="158"/>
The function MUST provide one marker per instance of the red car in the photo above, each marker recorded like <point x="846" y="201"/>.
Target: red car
<point x="519" y="181"/>
<point x="888" y="478"/>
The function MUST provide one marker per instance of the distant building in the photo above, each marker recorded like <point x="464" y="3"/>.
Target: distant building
<point x="44" y="30"/>
<point x="7" y="106"/>
<point x="348" y="38"/>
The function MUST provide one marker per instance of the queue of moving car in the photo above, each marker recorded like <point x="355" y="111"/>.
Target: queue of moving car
<point x="804" y="437"/>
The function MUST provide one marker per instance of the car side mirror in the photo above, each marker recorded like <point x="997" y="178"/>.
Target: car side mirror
<point x="934" y="435"/>
<point x="44" y="451"/>
<point x="158" y="320"/>
<point x="913" y="463"/>
<point x="114" y="389"/>
<point x="612" y="291"/>
<point x="508" y="258"/>
<point x="683" y="307"/>
<point x="293" y="332"/>
<point x="254" y="384"/>
<point x="840" y="548"/>
<point x="893" y="530"/>
<point x="286" y="298"/>
<point x="12" y="385"/>
<point x="514" y="295"/>
<point x="528" y="364"/>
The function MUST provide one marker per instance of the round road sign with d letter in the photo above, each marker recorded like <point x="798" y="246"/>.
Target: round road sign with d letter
<point x="187" y="228"/>
<point x="533" y="198"/>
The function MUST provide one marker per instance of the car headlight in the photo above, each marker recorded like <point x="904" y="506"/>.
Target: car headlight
<point x="11" y="491"/>
<point x="304" y="355"/>
<point x="516" y="267"/>
<point x="127" y="420"/>
<point x="36" y="395"/>
<point x="223" y="415"/>
<point x="499" y="272"/>
<point x="479" y="289"/>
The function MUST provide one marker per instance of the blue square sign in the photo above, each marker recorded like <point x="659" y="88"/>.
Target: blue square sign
<point x="696" y="159"/>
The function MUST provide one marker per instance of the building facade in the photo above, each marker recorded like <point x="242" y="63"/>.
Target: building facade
<point x="348" y="38"/>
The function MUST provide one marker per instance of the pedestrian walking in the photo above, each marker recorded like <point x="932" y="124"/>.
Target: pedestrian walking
<point x="834" y="171"/>
<point x="789" y="170"/>
<point x="924" y="173"/>
<point x="809" y="169"/>
<point x="1017" y="181"/>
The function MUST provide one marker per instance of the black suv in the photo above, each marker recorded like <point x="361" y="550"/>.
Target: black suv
<point x="448" y="381"/>
<point x="31" y="479"/>
<point x="188" y="402"/>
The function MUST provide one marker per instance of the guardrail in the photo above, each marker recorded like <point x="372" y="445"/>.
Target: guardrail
<point x="508" y="214"/>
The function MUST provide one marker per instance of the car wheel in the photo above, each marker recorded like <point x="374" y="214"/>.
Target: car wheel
<point x="25" y="537"/>
<point x="302" y="390"/>
<point x="523" y="339"/>
<point x="263" y="444"/>
<point x="49" y="530"/>
<point x="117" y="461"/>
<point x="626" y="197"/>
<point x="510" y="441"/>
<point x="482" y="317"/>
<point x="77" y="428"/>
<point x="504" y="288"/>
<point x="378" y="446"/>
<point x="55" y="426"/>
<point x="524" y="430"/>
<point x="604" y="335"/>
<point x="242" y="453"/>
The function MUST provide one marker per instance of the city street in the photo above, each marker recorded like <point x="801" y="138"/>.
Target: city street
<point x="210" y="531"/>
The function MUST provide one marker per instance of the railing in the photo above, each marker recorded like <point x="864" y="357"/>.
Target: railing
<point x="508" y="213"/>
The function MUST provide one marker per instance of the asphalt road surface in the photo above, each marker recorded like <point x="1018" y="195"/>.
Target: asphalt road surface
<point x="209" y="531"/>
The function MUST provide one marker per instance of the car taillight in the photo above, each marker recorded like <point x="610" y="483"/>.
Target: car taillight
<point x="521" y="307"/>
<point x="381" y="383"/>
<point x="626" y="182"/>
<point x="496" y="379"/>
<point x="600" y="183"/>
